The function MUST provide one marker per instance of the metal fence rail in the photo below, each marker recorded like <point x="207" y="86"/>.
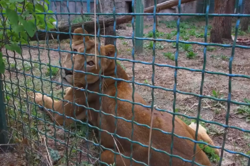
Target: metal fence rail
<point x="33" y="71"/>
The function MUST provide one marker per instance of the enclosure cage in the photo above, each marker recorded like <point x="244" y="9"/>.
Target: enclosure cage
<point x="171" y="85"/>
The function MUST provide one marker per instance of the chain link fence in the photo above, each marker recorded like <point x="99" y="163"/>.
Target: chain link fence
<point x="178" y="74"/>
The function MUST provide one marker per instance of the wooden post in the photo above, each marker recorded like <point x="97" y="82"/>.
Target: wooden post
<point x="139" y="26"/>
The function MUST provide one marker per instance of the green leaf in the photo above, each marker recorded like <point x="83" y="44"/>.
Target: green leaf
<point x="30" y="27"/>
<point x="12" y="16"/>
<point x="47" y="2"/>
<point x="14" y="1"/>
<point x="50" y="26"/>
<point x="25" y="14"/>
<point x="3" y="3"/>
<point x="46" y="7"/>
<point x="40" y="8"/>
<point x="29" y="7"/>
<point x="51" y="20"/>
<point x="14" y="47"/>
<point x="18" y="28"/>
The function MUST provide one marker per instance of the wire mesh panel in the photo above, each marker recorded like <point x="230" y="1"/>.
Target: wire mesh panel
<point x="90" y="82"/>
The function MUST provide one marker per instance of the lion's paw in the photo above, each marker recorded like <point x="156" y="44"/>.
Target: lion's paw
<point x="39" y="98"/>
<point x="67" y="89"/>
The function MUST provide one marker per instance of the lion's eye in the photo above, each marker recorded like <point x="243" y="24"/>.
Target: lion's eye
<point x="90" y="63"/>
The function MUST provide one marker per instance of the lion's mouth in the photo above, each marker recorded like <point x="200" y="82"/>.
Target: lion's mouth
<point x="68" y="72"/>
<point x="67" y="80"/>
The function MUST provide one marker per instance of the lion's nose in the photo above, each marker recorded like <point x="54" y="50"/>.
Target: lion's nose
<point x="68" y="72"/>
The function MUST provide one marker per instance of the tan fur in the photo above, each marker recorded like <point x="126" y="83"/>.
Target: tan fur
<point x="142" y="115"/>
<point x="203" y="133"/>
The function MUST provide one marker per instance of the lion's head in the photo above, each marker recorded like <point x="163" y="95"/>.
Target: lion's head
<point x="84" y="62"/>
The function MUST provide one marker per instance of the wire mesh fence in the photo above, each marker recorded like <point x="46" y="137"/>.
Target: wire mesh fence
<point x="157" y="93"/>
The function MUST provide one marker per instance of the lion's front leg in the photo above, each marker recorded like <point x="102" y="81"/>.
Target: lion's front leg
<point x="59" y="107"/>
<point x="66" y="90"/>
<point x="48" y="103"/>
<point x="43" y="100"/>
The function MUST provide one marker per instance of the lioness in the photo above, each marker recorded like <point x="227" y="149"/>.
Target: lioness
<point x="138" y="117"/>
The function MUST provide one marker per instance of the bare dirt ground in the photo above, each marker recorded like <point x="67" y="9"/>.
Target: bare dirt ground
<point x="25" y="119"/>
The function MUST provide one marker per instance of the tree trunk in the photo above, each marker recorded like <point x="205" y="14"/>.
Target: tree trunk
<point x="245" y="20"/>
<point x="63" y="31"/>
<point x="227" y="22"/>
<point x="109" y="31"/>
<point x="217" y="25"/>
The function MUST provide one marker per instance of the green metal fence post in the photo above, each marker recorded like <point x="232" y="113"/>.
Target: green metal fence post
<point x="3" y="124"/>
<point x="139" y="26"/>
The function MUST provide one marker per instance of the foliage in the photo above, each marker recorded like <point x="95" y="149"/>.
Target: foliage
<point x="210" y="152"/>
<point x="209" y="48"/>
<point x="146" y="81"/>
<point x="150" y="45"/>
<point x="20" y="20"/>
<point x="217" y="94"/>
<point x="157" y="34"/>
<point x="185" y="36"/>
<point x="169" y="55"/>
<point x="222" y="57"/>
<point x="191" y="55"/>
<point x="80" y="19"/>
<point x="51" y="70"/>
<point x="186" y="47"/>
<point x="54" y="154"/>
<point x="244" y="111"/>
<point x="169" y="36"/>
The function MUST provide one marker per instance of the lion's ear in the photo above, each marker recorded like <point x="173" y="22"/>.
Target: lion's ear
<point x="109" y="50"/>
<point x="79" y="37"/>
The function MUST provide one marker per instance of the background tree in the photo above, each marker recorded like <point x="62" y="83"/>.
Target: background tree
<point x="245" y="20"/>
<point x="222" y="26"/>
<point x="217" y="24"/>
<point x="227" y="22"/>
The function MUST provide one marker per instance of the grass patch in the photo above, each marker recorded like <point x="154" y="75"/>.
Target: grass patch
<point x="183" y="46"/>
<point x="169" y="36"/>
<point x="185" y="36"/>
<point x="169" y="55"/>
<point x="217" y="94"/>
<point x="171" y="24"/>
<point x="210" y="152"/>
<point x="150" y="45"/>
<point x="244" y="111"/>
<point x="26" y="66"/>
<point x="157" y="34"/>
<point x="186" y="47"/>
<point x="222" y="57"/>
<point x="146" y="82"/>
<point x="209" y="48"/>
<point x="191" y="55"/>
<point x="192" y="32"/>
<point x="51" y="70"/>
<point x="80" y="19"/>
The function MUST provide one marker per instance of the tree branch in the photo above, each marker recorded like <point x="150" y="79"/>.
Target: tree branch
<point x="89" y="26"/>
